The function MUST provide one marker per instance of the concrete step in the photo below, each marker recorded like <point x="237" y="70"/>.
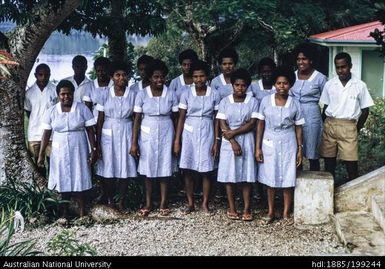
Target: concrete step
<point x="360" y="233"/>
<point x="378" y="210"/>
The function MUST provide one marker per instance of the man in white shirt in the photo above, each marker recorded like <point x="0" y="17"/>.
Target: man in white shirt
<point x="38" y="98"/>
<point x="83" y="85"/>
<point x="347" y="101"/>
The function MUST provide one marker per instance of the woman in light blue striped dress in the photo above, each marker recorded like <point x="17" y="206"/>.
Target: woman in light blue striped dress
<point x="264" y="85"/>
<point x="279" y="142"/>
<point x="197" y="134"/>
<point x="237" y="116"/>
<point x="114" y="132"/>
<point x="156" y="109"/>
<point x="182" y="82"/>
<point x="70" y="124"/>
<point x="307" y="91"/>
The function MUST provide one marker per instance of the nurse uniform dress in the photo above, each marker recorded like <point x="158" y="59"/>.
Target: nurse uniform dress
<point x="259" y="92"/>
<point x="307" y="93"/>
<point x="156" y="132"/>
<point x="198" y="130"/>
<point x="279" y="144"/>
<point x="116" y="135"/>
<point x="234" y="169"/>
<point x="69" y="170"/>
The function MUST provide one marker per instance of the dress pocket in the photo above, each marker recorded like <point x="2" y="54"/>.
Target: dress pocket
<point x="107" y="132"/>
<point x="188" y="128"/>
<point x="55" y="145"/>
<point x="145" y="129"/>
<point x="267" y="147"/>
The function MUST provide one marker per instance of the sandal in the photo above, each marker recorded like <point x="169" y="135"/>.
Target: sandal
<point x="247" y="217"/>
<point x="143" y="212"/>
<point x="287" y="222"/>
<point x="187" y="210"/>
<point x="233" y="216"/>
<point x="209" y="212"/>
<point x="266" y="220"/>
<point x="164" y="212"/>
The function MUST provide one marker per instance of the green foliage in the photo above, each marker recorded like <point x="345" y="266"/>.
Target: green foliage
<point x="372" y="139"/>
<point x="7" y="230"/>
<point x="65" y="244"/>
<point x="36" y="204"/>
<point x="139" y="17"/>
<point x="166" y="47"/>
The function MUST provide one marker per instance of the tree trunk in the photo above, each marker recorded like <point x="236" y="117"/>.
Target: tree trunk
<point x="117" y="38"/>
<point x="25" y="44"/>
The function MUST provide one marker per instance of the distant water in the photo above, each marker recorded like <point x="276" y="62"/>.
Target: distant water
<point x="60" y="49"/>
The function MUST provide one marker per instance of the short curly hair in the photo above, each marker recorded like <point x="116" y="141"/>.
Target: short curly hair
<point x="200" y="65"/>
<point x="156" y="65"/>
<point x="65" y="84"/>
<point x="187" y="54"/>
<point x="241" y="73"/>
<point x="284" y="71"/>
<point x="228" y="53"/>
<point x="119" y="65"/>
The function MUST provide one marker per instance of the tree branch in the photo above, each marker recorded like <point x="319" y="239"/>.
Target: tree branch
<point x="27" y="40"/>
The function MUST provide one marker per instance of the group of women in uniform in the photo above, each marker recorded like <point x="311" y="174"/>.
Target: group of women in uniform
<point x="248" y="132"/>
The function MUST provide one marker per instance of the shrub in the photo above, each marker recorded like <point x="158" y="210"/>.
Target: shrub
<point x="7" y="230"/>
<point x="64" y="244"/>
<point x="33" y="202"/>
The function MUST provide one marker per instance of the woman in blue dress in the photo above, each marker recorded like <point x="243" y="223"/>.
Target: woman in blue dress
<point x="264" y="85"/>
<point x="114" y="133"/>
<point x="156" y="109"/>
<point x="307" y="91"/>
<point x="197" y="131"/>
<point x="279" y="142"/>
<point x="178" y="84"/>
<point x="237" y="116"/>
<point x="70" y="160"/>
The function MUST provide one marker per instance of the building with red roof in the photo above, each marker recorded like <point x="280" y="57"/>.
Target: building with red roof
<point x="368" y="63"/>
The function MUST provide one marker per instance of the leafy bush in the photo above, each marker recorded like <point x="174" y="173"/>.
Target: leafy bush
<point x="7" y="230"/>
<point x="33" y="202"/>
<point x="65" y="244"/>
<point x="372" y="139"/>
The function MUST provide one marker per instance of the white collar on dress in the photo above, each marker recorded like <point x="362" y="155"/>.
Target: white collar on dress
<point x="112" y="92"/>
<point x="247" y="99"/>
<point x="194" y="92"/>
<point x="313" y="75"/>
<point x="96" y="84"/>
<point x="222" y="77"/>
<point x="260" y="84"/>
<point x="73" y="107"/>
<point x="182" y="80"/>
<point x="288" y="101"/>
<point x="164" y="91"/>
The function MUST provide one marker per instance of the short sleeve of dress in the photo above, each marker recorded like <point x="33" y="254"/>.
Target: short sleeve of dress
<point x="261" y="110"/>
<point x="298" y="118"/>
<point x="222" y="110"/>
<point x="88" y="117"/>
<point x="183" y="102"/>
<point x="255" y="107"/>
<point x="138" y="107"/>
<point x="174" y="97"/>
<point x="46" y="123"/>
<point x="101" y="100"/>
